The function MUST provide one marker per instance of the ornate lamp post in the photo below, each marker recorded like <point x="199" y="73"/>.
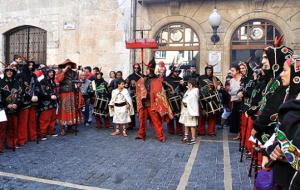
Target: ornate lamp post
<point x="214" y="20"/>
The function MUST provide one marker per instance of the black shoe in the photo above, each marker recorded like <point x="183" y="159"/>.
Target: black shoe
<point x="140" y="138"/>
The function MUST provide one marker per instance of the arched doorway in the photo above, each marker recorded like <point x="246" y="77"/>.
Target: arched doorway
<point x="27" y="41"/>
<point x="178" y="44"/>
<point x="250" y="38"/>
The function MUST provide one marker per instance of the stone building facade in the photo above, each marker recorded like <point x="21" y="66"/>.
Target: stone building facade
<point x="93" y="32"/>
<point x="284" y="15"/>
<point x="89" y="32"/>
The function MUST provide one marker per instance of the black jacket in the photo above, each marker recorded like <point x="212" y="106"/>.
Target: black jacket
<point x="10" y="94"/>
<point x="283" y="172"/>
<point x="48" y="88"/>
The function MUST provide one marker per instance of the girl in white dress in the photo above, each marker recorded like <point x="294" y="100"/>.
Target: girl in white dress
<point x="120" y="108"/>
<point x="190" y="111"/>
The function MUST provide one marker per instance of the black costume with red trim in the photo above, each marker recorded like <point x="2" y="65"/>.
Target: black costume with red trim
<point x="27" y="115"/>
<point x="210" y="82"/>
<point x="10" y="94"/>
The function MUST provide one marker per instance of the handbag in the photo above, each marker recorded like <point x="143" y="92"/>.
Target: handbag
<point x="264" y="180"/>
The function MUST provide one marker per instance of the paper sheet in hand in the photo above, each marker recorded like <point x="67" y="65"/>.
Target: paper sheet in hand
<point x="252" y="139"/>
<point x="3" y="116"/>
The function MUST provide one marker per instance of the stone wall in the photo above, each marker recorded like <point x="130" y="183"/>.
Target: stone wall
<point x="98" y="38"/>
<point x="284" y="14"/>
<point x="102" y="26"/>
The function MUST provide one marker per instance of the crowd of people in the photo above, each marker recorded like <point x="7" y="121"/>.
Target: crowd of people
<point x="258" y="101"/>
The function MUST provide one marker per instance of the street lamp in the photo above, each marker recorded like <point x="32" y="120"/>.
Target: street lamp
<point x="214" y="20"/>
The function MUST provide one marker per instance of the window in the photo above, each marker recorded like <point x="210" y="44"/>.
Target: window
<point x="250" y="38"/>
<point x="177" y="36"/>
<point x="178" y="44"/>
<point x="27" y="41"/>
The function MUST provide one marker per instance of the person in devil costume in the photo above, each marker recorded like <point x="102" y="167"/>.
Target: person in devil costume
<point x="152" y="103"/>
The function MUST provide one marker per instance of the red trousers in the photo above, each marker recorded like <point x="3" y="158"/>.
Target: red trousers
<point x="171" y="127"/>
<point x="211" y="124"/>
<point x="3" y="127"/>
<point x="47" y="122"/>
<point x="99" y="121"/>
<point x="27" y="125"/>
<point x="156" y="121"/>
<point x="12" y="130"/>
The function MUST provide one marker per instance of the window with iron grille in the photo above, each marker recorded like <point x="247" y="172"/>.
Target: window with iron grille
<point x="27" y="41"/>
<point x="250" y="38"/>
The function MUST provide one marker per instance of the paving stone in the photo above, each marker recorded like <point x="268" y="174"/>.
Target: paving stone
<point x="95" y="158"/>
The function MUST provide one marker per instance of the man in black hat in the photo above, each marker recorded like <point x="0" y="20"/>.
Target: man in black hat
<point x="193" y="75"/>
<point x="211" y="84"/>
<point x="174" y="85"/>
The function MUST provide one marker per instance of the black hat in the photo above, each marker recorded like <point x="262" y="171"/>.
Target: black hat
<point x="277" y="55"/>
<point x="174" y="68"/>
<point x="10" y="68"/>
<point x="152" y="64"/>
<point x="209" y="67"/>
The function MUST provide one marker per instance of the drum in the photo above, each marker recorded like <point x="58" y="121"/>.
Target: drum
<point x="210" y="101"/>
<point x="101" y="106"/>
<point x="175" y="104"/>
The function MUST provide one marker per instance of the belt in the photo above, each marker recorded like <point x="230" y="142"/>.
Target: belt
<point x="120" y="104"/>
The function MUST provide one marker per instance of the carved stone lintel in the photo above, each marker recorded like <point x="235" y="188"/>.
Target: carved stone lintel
<point x="174" y="7"/>
<point x="258" y="4"/>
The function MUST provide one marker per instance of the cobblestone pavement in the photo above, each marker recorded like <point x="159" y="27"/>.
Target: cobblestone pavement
<point x="94" y="158"/>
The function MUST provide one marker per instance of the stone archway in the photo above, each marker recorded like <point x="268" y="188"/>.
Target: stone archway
<point x="195" y="26"/>
<point x="28" y="41"/>
<point x="273" y="18"/>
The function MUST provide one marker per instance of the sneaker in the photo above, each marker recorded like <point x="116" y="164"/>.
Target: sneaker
<point x="184" y="140"/>
<point x="43" y="139"/>
<point x="54" y="135"/>
<point x="124" y="134"/>
<point x="115" y="133"/>
<point x="87" y="124"/>
<point x="193" y="141"/>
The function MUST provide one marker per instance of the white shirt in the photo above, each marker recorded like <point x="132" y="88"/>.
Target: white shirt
<point x="235" y="86"/>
